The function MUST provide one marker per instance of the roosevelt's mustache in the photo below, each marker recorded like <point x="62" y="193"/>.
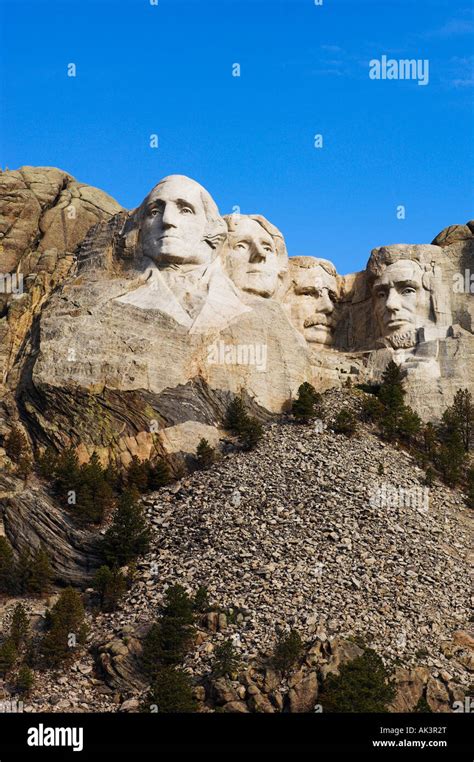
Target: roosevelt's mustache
<point x="316" y="320"/>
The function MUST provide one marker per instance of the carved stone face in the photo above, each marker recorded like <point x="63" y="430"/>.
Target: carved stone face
<point x="252" y="258"/>
<point x="401" y="302"/>
<point x="312" y="303"/>
<point x="174" y="222"/>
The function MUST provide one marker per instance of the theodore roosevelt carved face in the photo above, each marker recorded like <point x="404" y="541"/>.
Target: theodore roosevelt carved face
<point x="312" y="298"/>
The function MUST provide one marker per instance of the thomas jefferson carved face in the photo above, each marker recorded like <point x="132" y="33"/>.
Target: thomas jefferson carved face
<point x="313" y="299"/>
<point x="253" y="261"/>
<point x="178" y="223"/>
<point x="401" y="301"/>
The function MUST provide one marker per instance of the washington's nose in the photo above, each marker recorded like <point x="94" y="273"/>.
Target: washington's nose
<point x="168" y="219"/>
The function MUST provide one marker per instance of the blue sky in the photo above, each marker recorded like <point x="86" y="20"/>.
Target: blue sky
<point x="167" y="70"/>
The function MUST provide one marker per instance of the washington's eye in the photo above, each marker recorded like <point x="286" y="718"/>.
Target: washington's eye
<point x="409" y="290"/>
<point x="186" y="210"/>
<point x="269" y="249"/>
<point x="154" y="212"/>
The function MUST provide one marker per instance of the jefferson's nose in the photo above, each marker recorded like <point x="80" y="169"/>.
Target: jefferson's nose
<point x="257" y="253"/>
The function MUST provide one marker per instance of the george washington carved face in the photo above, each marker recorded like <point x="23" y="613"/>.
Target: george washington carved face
<point x="179" y="223"/>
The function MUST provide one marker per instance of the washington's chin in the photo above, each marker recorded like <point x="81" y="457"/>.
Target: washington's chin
<point x="173" y="257"/>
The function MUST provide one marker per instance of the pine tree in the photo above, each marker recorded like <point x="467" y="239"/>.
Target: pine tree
<point x="362" y="685"/>
<point x="226" y="661"/>
<point x="111" y="586"/>
<point x="137" y="474"/>
<point x="7" y="567"/>
<point x="205" y="454"/>
<point x="171" y="691"/>
<point x="24" y="680"/>
<point x="95" y="497"/>
<point x="169" y="638"/>
<point x="158" y="474"/>
<point x="236" y="415"/>
<point x="460" y="416"/>
<point x="251" y="433"/>
<point x="67" y="472"/>
<point x="288" y="650"/>
<point x="391" y="392"/>
<point x="47" y="463"/>
<point x="307" y="404"/>
<point x="201" y="600"/>
<point x="65" y="628"/>
<point x="345" y="423"/>
<point x="34" y="573"/>
<point x="19" y="626"/>
<point x="128" y="537"/>
<point x="8" y="656"/>
<point x="15" y="444"/>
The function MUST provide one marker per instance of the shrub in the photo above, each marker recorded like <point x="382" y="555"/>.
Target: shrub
<point x="307" y="404"/>
<point x="345" y="423"/>
<point x="287" y="651"/>
<point x="226" y="661"/>
<point x="362" y="685"/>
<point x="171" y="691"/>
<point x="128" y="537"/>
<point x="205" y="454"/>
<point x="111" y="586"/>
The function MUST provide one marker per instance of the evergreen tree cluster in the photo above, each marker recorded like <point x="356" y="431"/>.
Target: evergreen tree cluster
<point x="90" y="490"/>
<point x="443" y="447"/>
<point x="31" y="574"/>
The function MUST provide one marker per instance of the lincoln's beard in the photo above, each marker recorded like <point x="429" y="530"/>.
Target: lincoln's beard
<point x="402" y="339"/>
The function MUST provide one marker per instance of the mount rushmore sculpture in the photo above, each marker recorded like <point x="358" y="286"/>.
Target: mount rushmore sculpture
<point x="165" y="312"/>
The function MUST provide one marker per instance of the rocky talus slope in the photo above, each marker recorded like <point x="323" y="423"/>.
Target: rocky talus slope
<point x="298" y="533"/>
